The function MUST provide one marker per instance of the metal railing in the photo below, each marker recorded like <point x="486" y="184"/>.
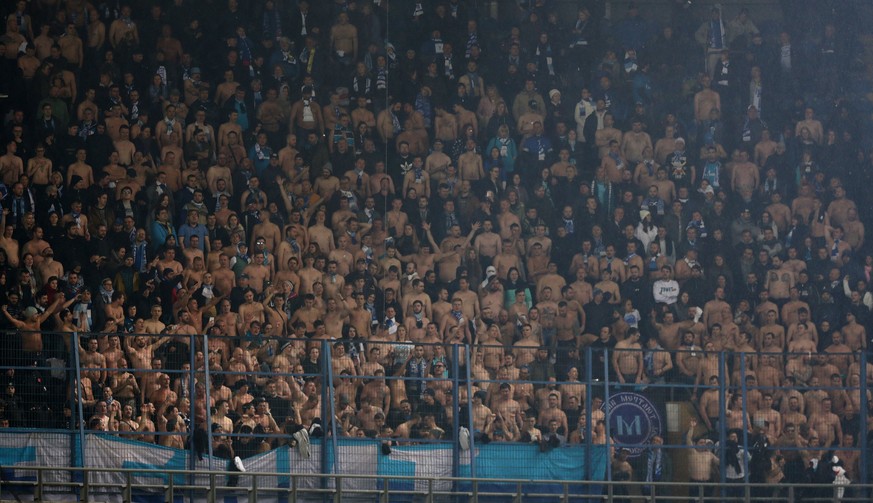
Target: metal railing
<point x="599" y="383"/>
<point x="82" y="488"/>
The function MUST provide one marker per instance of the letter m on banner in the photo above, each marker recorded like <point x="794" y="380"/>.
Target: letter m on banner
<point x="633" y="427"/>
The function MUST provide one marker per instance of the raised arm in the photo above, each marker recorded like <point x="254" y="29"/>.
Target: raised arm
<point x="158" y="343"/>
<point x="401" y="371"/>
<point x="431" y="240"/>
<point x="285" y="199"/>
<point x="473" y="230"/>
<point x="689" y="437"/>
<point x="16" y="322"/>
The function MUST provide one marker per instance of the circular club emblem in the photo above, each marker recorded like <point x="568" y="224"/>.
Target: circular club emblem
<point x="633" y="419"/>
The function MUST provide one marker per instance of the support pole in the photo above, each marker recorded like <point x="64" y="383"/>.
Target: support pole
<point x="77" y="368"/>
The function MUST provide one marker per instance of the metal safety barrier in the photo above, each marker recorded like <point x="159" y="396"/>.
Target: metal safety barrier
<point x="85" y="490"/>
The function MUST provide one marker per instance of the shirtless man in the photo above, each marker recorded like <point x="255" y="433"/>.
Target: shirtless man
<point x="505" y="405"/>
<point x="838" y="209"/>
<point x="815" y="128"/>
<point x="91" y="358"/>
<point x="646" y="171"/>
<point x="307" y="314"/>
<point x="853" y="228"/>
<point x="614" y="163"/>
<point x="266" y="231"/>
<point x="768" y="418"/>
<point x="470" y="165"/>
<point x="839" y="354"/>
<point x="220" y="171"/>
<point x="765" y="148"/>
<point x="635" y="142"/>
<point x="826" y="424"/>
<point x="701" y="460"/>
<point x="376" y="391"/>
<point x="29" y="328"/>
<point x="506" y="259"/>
<point x="81" y="169"/>
<point x="525" y="349"/>
<point x="709" y="405"/>
<point x="745" y="177"/>
<point x="553" y="413"/>
<point x="713" y="310"/>
<point x="359" y="316"/>
<point x="305" y="115"/>
<point x="362" y="113"/>
<point x="115" y="309"/>
<point x="154" y="325"/>
<point x="35" y="246"/>
<point x="229" y="321"/>
<point x="689" y="358"/>
<point x="344" y="40"/>
<point x="320" y="234"/>
<point x="250" y="310"/>
<point x="39" y="167"/>
<point x="706" y="100"/>
<point x="604" y="137"/>
<point x="123" y="30"/>
<point x="140" y="353"/>
<point x="666" y="187"/>
<point x="71" y="46"/>
<point x="854" y="334"/>
<point x="779" y="281"/>
<point x="488" y="243"/>
<point x="627" y="358"/>
<point x="123" y="383"/>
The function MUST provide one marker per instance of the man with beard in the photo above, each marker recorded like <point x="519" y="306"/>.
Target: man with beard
<point x="401" y="164"/>
<point x="389" y="122"/>
<point x="688" y="359"/>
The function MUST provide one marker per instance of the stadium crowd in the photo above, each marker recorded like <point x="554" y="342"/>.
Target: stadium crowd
<point x="400" y="181"/>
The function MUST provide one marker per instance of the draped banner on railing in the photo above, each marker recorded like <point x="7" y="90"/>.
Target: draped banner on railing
<point x="20" y="450"/>
<point x="353" y="457"/>
<point x="529" y="462"/>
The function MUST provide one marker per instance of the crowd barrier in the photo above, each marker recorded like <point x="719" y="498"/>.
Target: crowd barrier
<point x="54" y="429"/>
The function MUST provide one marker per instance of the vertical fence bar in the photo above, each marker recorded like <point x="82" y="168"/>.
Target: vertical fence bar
<point x="86" y="486"/>
<point x="606" y="416"/>
<point x="722" y="421"/>
<point x="77" y="368"/>
<point x="207" y="384"/>
<point x="589" y="395"/>
<point x="864" y="414"/>
<point x="192" y="421"/>
<point x="334" y="436"/>
<point x="210" y="498"/>
<point x="456" y="421"/>
<point x="744" y="412"/>
<point x="468" y="364"/>
<point x="74" y="409"/>
<point x="37" y="493"/>
<point x="325" y="411"/>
